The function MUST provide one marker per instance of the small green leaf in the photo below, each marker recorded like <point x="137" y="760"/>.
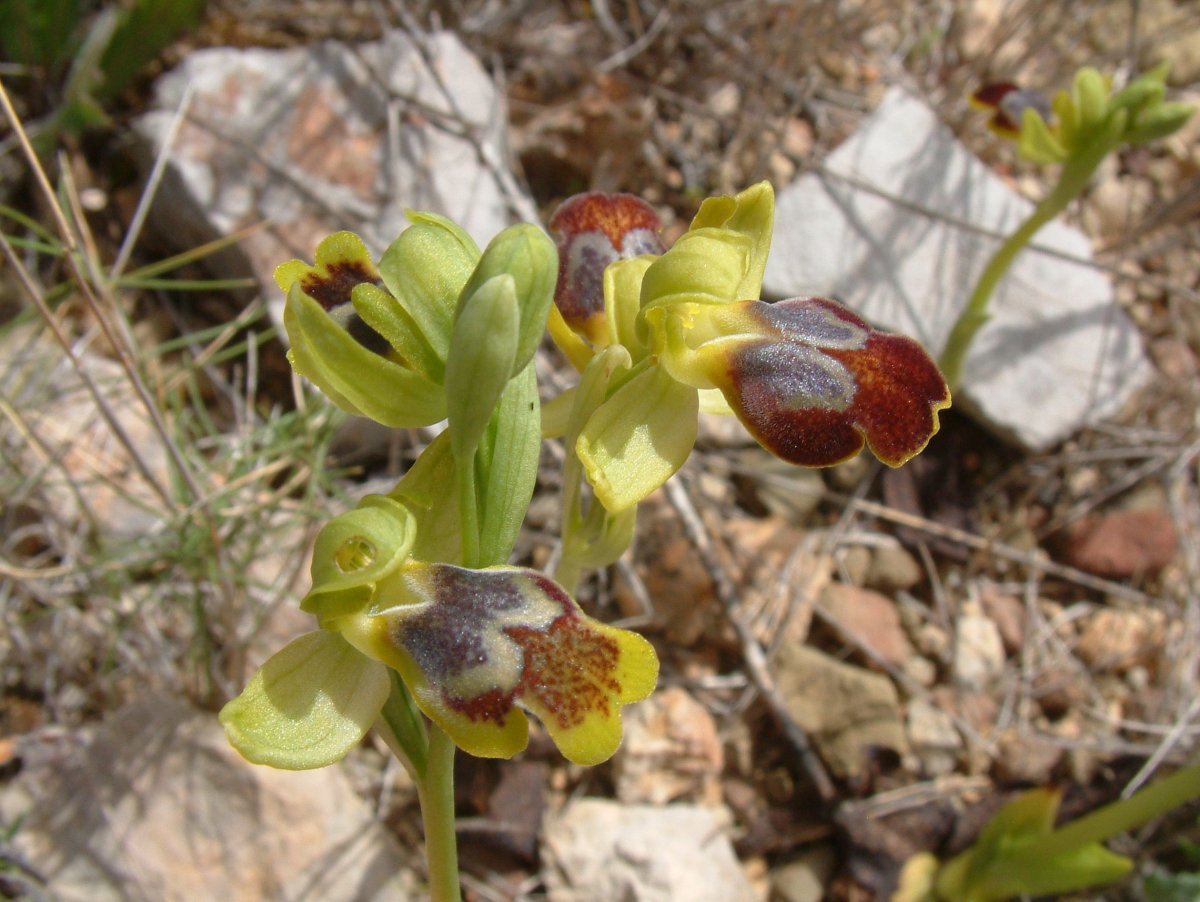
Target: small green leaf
<point x="308" y="705"/>
<point x="422" y="491"/>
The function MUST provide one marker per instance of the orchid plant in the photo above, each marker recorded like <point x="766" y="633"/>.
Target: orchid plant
<point x="423" y="630"/>
<point x="1077" y="130"/>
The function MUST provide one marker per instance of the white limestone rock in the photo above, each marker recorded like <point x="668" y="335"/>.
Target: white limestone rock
<point x="310" y="140"/>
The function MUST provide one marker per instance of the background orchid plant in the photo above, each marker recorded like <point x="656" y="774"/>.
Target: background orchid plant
<point x="423" y="629"/>
<point x="1078" y="129"/>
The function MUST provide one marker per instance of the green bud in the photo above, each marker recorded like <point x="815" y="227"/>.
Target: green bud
<point x="526" y="254"/>
<point x="1090" y="94"/>
<point x="425" y="269"/>
<point x="1159" y="122"/>
<point x="482" y="349"/>
<point x="1143" y="92"/>
<point x="508" y="464"/>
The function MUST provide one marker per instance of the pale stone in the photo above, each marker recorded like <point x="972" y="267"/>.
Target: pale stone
<point x="158" y="806"/>
<point x="597" y="850"/>
<point x="900" y="223"/>
<point x="671" y="751"/>
<point x="845" y="710"/>
<point x="978" y="651"/>
<point x="314" y="139"/>
<point x="934" y="737"/>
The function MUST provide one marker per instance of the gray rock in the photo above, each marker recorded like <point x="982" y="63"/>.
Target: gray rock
<point x="899" y="224"/>
<point x="595" y="850"/>
<point x="157" y="806"/>
<point x="846" y="710"/>
<point x="314" y="139"/>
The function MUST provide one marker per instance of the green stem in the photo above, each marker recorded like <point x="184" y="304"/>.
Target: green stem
<point x="1125" y="814"/>
<point x="436" y="794"/>
<point x="1075" y="175"/>
<point x="468" y="509"/>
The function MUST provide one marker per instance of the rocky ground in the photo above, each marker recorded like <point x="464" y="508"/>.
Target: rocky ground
<point x="1013" y="608"/>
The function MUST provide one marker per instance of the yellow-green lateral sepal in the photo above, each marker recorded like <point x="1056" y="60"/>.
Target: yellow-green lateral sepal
<point x="476" y="646"/>
<point x="354" y="551"/>
<point x="355" y="378"/>
<point x="308" y="705"/>
<point x="638" y="438"/>
<point x="1037" y="142"/>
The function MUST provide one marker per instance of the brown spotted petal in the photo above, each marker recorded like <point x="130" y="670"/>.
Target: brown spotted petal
<point x="593" y="230"/>
<point x="816" y="382"/>
<point x="473" y="645"/>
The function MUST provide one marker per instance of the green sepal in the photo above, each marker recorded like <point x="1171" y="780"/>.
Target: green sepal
<point x="482" y="350"/>
<point x="507" y="463"/>
<point x="383" y="313"/>
<point x="1036" y="142"/>
<point x="751" y="213"/>
<point x="422" y="491"/>
<point x="638" y="438"/>
<point x="623" y="302"/>
<point x="527" y="254"/>
<point x="357" y="380"/>
<point x="425" y="269"/>
<point x="308" y="705"/>
<point x="353" y="552"/>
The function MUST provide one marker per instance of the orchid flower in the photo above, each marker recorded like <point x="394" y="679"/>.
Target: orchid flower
<point x="473" y="646"/>
<point x="811" y="381"/>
